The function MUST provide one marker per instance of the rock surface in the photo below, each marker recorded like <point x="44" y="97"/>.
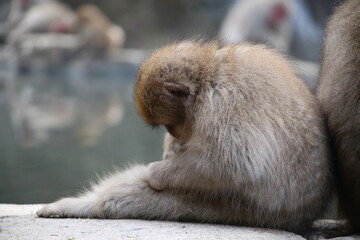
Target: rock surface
<point x="19" y="222"/>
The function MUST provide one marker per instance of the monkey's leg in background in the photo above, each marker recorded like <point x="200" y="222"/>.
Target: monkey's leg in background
<point x="124" y="195"/>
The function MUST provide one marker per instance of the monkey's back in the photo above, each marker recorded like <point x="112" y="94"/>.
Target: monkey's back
<point x="257" y="151"/>
<point x="267" y="124"/>
<point x="339" y="95"/>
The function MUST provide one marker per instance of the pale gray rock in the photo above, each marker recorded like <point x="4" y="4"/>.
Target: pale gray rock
<point x="19" y="222"/>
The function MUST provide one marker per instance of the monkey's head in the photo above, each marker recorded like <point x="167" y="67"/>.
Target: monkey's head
<point x="169" y="82"/>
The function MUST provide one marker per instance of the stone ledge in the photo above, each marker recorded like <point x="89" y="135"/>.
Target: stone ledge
<point x="19" y="222"/>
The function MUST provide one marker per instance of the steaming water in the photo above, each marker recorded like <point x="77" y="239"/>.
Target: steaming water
<point x="60" y="128"/>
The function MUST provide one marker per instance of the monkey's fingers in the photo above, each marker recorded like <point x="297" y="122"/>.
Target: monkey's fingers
<point x="155" y="181"/>
<point x="155" y="185"/>
<point x="49" y="210"/>
<point x="70" y="208"/>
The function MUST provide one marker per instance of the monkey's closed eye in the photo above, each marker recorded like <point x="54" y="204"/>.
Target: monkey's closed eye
<point x="175" y="91"/>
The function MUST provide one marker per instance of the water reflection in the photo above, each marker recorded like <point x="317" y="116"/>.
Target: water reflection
<point x="59" y="127"/>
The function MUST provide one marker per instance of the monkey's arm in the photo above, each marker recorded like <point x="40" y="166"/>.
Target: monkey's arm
<point x="189" y="173"/>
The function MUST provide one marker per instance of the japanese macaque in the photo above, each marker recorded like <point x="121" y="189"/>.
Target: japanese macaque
<point x="45" y="16"/>
<point x="53" y="23"/>
<point x="246" y="144"/>
<point x="339" y="95"/>
<point x="286" y="25"/>
<point x="97" y="30"/>
<point x="271" y="24"/>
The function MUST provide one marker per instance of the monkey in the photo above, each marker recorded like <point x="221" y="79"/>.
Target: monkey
<point x="98" y="32"/>
<point x="338" y="93"/>
<point x="245" y="143"/>
<point x="274" y="26"/>
<point x="288" y="26"/>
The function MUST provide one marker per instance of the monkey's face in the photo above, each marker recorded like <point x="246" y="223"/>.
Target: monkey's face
<point x="168" y="84"/>
<point x="160" y="99"/>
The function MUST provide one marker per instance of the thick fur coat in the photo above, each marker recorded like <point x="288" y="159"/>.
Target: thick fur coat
<point x="339" y="95"/>
<point x="246" y="144"/>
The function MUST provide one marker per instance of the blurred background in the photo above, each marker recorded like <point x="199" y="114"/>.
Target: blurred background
<point x="67" y="70"/>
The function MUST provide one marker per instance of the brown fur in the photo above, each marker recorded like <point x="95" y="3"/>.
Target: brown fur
<point x="156" y="107"/>
<point x="339" y="95"/>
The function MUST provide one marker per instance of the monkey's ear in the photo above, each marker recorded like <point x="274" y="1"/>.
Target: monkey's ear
<point x="175" y="91"/>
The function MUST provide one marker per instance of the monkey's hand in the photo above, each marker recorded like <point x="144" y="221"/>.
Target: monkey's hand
<point x="157" y="179"/>
<point x="66" y="207"/>
<point x="182" y="174"/>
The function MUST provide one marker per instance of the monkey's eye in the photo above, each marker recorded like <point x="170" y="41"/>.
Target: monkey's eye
<point x="175" y="91"/>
